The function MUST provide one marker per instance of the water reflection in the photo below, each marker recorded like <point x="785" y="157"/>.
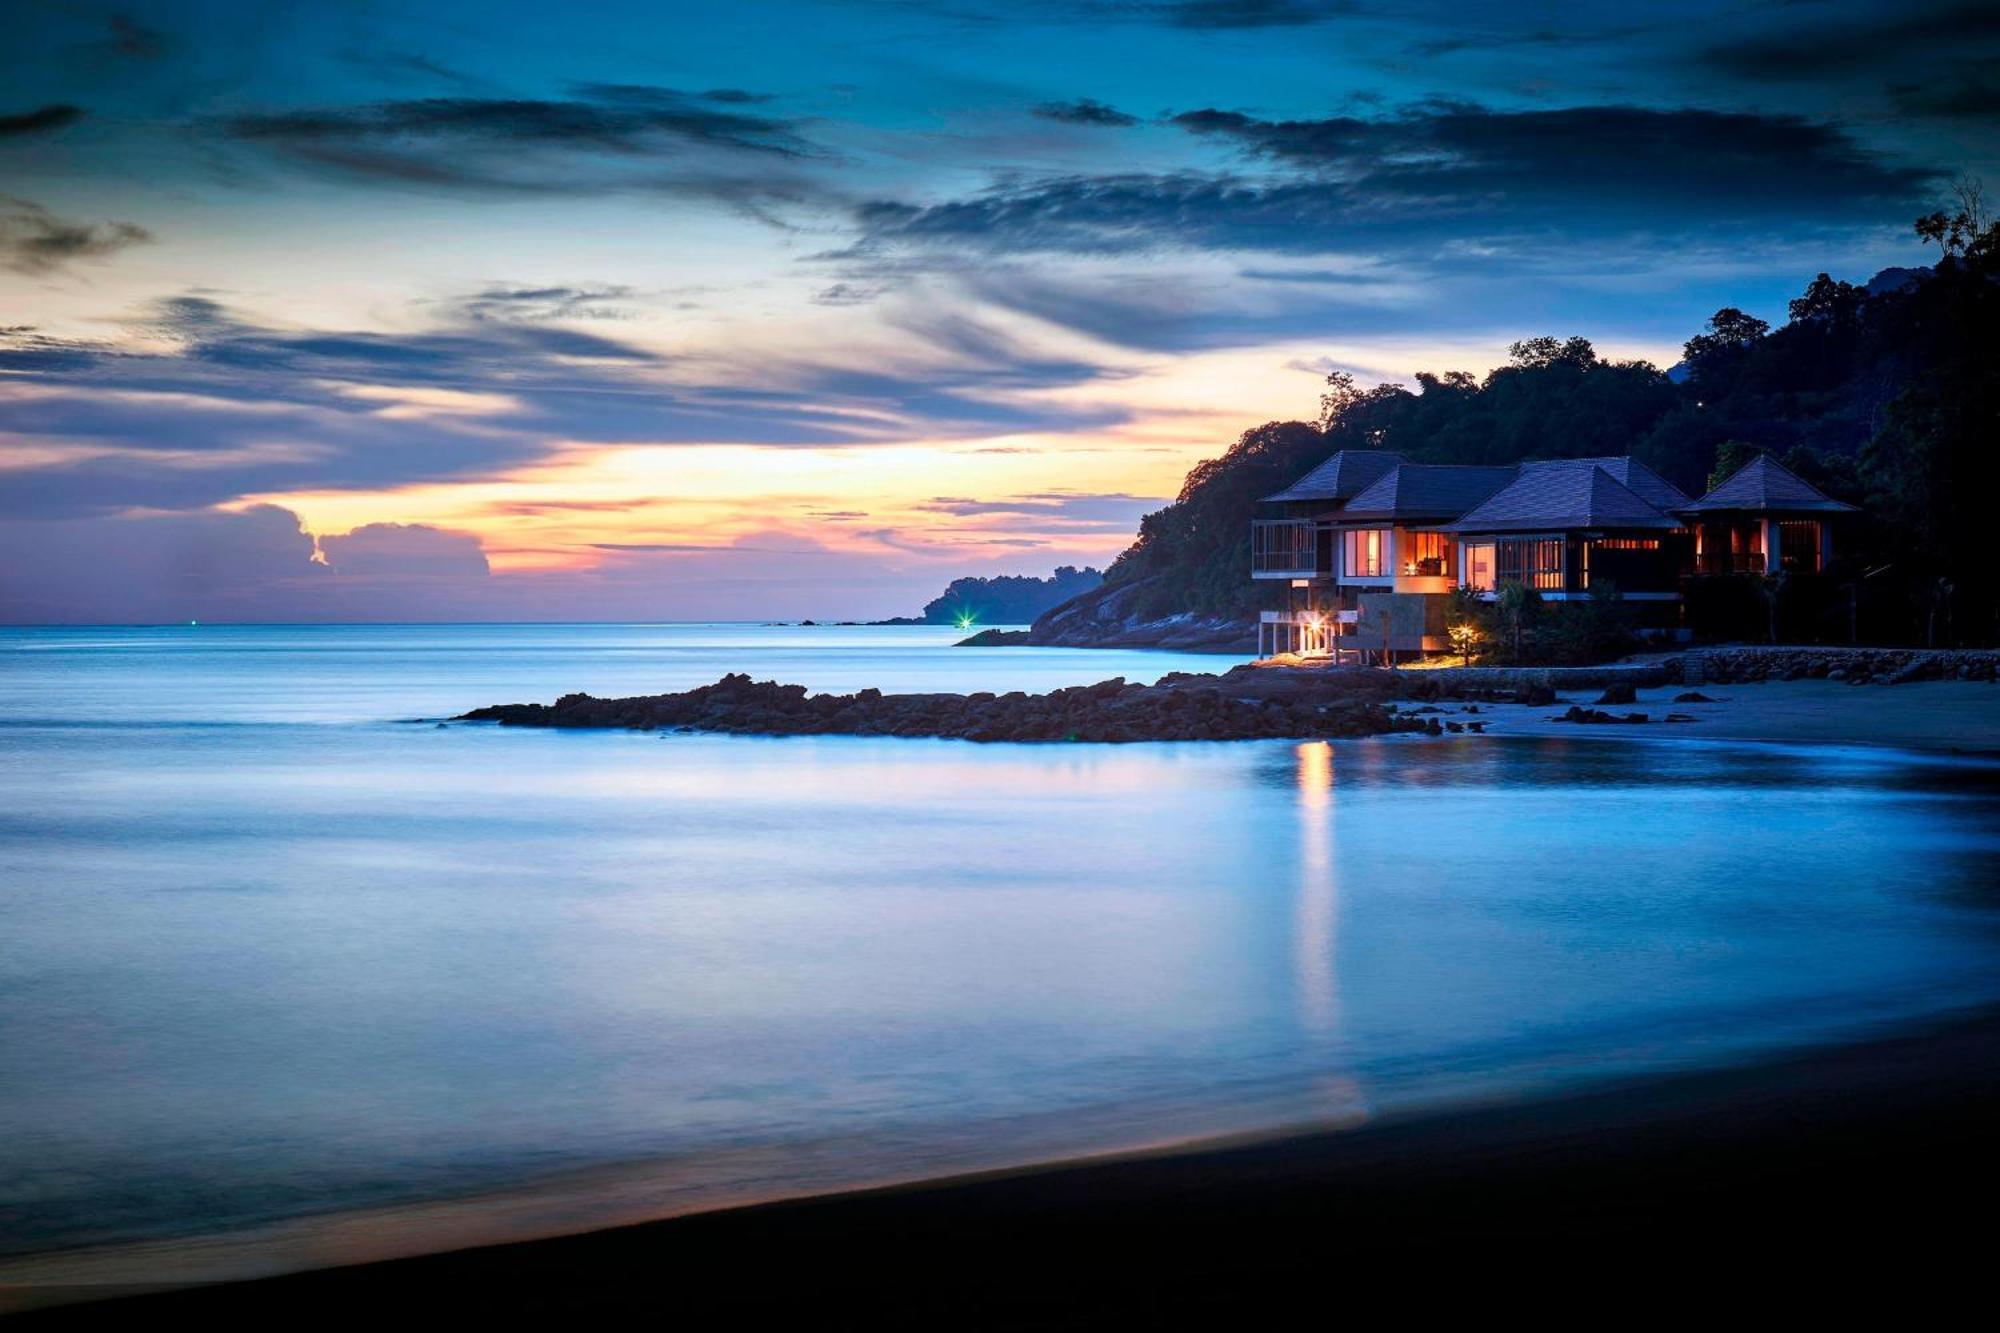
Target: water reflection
<point x="1319" y="890"/>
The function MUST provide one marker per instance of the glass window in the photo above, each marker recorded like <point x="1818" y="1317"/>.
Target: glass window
<point x="1479" y="566"/>
<point x="1365" y="553"/>
<point x="1428" y="554"/>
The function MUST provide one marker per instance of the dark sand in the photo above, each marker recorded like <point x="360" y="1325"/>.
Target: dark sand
<point x="1828" y="1181"/>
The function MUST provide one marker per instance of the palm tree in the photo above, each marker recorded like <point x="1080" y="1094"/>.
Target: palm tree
<point x="1515" y="605"/>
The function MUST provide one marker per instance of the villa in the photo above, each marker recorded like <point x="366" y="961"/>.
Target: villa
<point x="1369" y="546"/>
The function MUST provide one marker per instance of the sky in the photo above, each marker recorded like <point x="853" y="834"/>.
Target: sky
<point x="802" y="308"/>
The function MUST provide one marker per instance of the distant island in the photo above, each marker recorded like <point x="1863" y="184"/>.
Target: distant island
<point x="1009" y="599"/>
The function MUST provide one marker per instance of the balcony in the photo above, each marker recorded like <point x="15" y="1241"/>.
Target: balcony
<point x="1285" y="549"/>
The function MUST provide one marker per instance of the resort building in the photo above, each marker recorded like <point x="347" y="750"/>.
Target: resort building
<point x="1368" y="547"/>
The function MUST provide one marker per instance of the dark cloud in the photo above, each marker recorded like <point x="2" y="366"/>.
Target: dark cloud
<point x="42" y="119"/>
<point x="604" y="137"/>
<point x="35" y="241"/>
<point x="135" y="41"/>
<point x="1800" y="52"/>
<point x="1964" y="90"/>
<point x="608" y="117"/>
<point x="1252" y="13"/>
<point x="1441" y="175"/>
<point x="1085" y="111"/>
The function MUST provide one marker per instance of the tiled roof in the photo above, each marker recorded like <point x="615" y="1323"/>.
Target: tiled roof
<point x="1567" y="493"/>
<point x="1637" y="478"/>
<point x="1762" y="484"/>
<point x="1427" y="492"/>
<point x="1341" y="477"/>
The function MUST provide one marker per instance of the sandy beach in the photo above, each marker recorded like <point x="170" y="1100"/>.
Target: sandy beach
<point x="1838" y="1164"/>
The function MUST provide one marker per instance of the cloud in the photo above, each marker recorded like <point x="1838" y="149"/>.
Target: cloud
<point x="134" y="40"/>
<point x="546" y="303"/>
<point x="1805" y="52"/>
<point x="1084" y="111"/>
<point x="404" y="550"/>
<point x="1252" y="13"/>
<point x="54" y="116"/>
<point x="1965" y="90"/>
<point x="1114" y="511"/>
<point x="604" y="137"/>
<point x="201" y="405"/>
<point x="1435" y="176"/>
<point x="847" y="293"/>
<point x="35" y="241"/>
<point x="256" y="563"/>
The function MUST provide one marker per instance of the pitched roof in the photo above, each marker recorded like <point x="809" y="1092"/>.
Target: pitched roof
<point x="1346" y="474"/>
<point x="1763" y="484"/>
<point x="1566" y="493"/>
<point x="1637" y="478"/>
<point x="1427" y="491"/>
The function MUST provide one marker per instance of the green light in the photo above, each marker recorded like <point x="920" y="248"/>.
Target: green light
<point x="966" y="621"/>
<point x="193" y="623"/>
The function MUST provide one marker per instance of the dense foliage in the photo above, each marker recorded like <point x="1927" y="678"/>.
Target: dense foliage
<point x="1009" y="599"/>
<point x="1885" y="395"/>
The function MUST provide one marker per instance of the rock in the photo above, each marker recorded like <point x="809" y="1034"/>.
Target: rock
<point x="1244" y="703"/>
<point x="1693" y="697"/>
<point x="1618" y="694"/>
<point x="1536" y="696"/>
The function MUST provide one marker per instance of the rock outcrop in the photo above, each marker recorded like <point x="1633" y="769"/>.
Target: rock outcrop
<point x="1243" y="704"/>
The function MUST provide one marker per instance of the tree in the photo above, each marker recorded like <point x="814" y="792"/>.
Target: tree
<point x="1966" y="228"/>
<point x="1341" y="394"/>
<point x="1730" y="456"/>
<point x="1516" y="605"/>
<point x="1545" y="351"/>
<point x="1729" y="330"/>
<point x="1826" y="300"/>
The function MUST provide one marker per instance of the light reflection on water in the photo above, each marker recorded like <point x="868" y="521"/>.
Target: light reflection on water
<point x="314" y="959"/>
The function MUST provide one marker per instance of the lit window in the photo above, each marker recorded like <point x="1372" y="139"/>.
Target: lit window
<point x="1365" y="553"/>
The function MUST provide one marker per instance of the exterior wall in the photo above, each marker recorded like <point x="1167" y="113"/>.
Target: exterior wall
<point x="1414" y="622"/>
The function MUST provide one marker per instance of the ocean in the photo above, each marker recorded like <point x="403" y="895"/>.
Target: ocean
<point x="292" y="974"/>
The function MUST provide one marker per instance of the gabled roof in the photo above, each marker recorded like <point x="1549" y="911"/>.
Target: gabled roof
<point x="1341" y="477"/>
<point x="1637" y="478"/>
<point x="1426" y="492"/>
<point x="1567" y="493"/>
<point x="1769" y="486"/>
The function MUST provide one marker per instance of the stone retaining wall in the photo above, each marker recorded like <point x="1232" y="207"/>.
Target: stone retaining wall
<point x="1857" y="666"/>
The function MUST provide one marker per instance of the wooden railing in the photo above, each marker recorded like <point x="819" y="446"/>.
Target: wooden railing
<point x="1283" y="548"/>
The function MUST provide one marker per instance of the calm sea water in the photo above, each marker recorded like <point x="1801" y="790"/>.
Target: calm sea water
<point x="270" y="950"/>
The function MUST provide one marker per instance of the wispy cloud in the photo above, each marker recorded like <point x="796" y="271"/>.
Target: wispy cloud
<point x="37" y="242"/>
<point x="1085" y="111"/>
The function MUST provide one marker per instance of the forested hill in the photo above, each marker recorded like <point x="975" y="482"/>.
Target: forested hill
<point x="1886" y="395"/>
<point x="1009" y="599"/>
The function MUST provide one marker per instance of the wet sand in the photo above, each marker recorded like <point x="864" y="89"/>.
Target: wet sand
<point x="1804" y="1183"/>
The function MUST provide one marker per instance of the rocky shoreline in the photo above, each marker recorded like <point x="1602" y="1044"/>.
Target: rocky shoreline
<point x="1108" y="617"/>
<point x="1244" y="704"/>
